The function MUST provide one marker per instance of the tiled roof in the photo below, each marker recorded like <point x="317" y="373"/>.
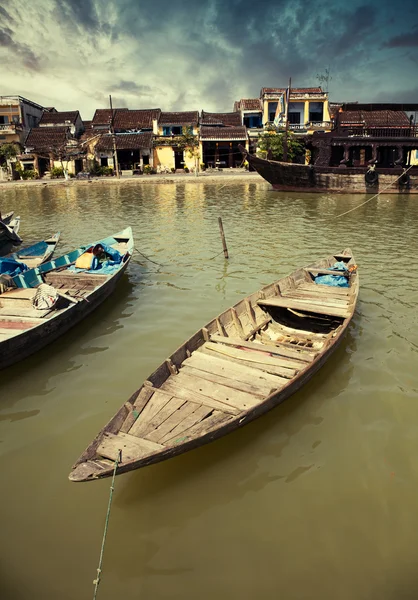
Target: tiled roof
<point x="59" y="118"/>
<point x="126" y="141"/>
<point x="44" y="138"/>
<point x="179" y="118"/>
<point x="238" y="133"/>
<point x="311" y="90"/>
<point x="102" y="116"/>
<point x="374" y="118"/>
<point x="249" y="104"/>
<point x="231" y="119"/>
<point x="135" y="119"/>
<point x="87" y="124"/>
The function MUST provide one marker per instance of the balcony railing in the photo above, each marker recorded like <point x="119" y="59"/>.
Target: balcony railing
<point x="10" y="127"/>
<point x="382" y="132"/>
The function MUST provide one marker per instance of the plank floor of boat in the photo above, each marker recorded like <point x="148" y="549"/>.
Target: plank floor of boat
<point x="220" y="381"/>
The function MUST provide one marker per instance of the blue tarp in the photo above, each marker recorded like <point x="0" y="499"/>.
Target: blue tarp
<point x="11" y="267"/>
<point x="334" y="280"/>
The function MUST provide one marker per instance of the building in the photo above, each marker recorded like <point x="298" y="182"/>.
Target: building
<point x="17" y="116"/>
<point x="171" y="151"/>
<point x="308" y="109"/>
<point x="48" y="147"/>
<point x="71" y="119"/>
<point x="220" y="135"/>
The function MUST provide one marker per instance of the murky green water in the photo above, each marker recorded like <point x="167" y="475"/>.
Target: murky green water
<point x="318" y="499"/>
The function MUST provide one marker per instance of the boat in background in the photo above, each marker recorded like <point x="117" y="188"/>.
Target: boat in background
<point x="30" y="257"/>
<point x="51" y="298"/>
<point x="9" y="236"/>
<point x="242" y="364"/>
<point x="7" y="217"/>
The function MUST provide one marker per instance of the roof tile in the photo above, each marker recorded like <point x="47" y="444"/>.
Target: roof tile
<point x="179" y="118"/>
<point x="238" y="133"/>
<point x="126" y="141"/>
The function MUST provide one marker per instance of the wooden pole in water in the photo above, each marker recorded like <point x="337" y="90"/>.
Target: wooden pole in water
<point x="221" y="229"/>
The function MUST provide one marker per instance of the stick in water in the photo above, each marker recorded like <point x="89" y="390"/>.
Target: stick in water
<point x="221" y="228"/>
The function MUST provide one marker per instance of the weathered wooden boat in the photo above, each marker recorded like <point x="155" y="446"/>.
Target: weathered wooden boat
<point x="9" y="236"/>
<point x="36" y="254"/>
<point x="294" y="177"/>
<point x="6" y="218"/>
<point x="33" y="315"/>
<point x="237" y="367"/>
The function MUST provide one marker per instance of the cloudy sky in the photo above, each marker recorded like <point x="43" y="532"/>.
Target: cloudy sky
<point x="178" y="55"/>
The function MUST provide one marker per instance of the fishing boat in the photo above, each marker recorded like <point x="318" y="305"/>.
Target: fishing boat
<point x="38" y="253"/>
<point x="51" y="298"/>
<point x="7" y="217"/>
<point x="9" y="236"/>
<point x="240" y="365"/>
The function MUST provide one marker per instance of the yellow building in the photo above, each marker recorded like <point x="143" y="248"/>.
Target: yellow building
<point x="308" y="109"/>
<point x="169" y="151"/>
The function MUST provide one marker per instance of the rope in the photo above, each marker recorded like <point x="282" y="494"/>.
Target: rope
<point x="149" y="259"/>
<point x="112" y="487"/>
<point x="375" y="196"/>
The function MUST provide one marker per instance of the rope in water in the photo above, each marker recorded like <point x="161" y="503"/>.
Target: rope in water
<point x="376" y="195"/>
<point x="112" y="487"/>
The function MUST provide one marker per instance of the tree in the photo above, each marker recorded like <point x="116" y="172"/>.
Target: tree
<point x="8" y="151"/>
<point x="189" y="143"/>
<point x="324" y="78"/>
<point x="270" y="144"/>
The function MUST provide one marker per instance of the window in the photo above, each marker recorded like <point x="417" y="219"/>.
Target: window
<point x="176" y="130"/>
<point x="294" y="118"/>
<point x="4" y="119"/>
<point x="166" y="130"/>
<point x="272" y="110"/>
<point x="316" y="112"/>
<point x="252" y="121"/>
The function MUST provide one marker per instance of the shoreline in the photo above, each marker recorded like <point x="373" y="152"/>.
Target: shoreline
<point x="203" y="177"/>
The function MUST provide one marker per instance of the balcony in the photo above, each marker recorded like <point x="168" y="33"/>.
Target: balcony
<point x="10" y="127"/>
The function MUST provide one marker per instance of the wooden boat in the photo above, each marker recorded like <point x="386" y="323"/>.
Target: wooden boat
<point x="7" y="217"/>
<point x="294" y="177"/>
<point x="9" y="236"/>
<point x="25" y="329"/>
<point x="38" y="253"/>
<point x="237" y="367"/>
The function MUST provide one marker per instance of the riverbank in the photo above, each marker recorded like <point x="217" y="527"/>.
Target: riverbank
<point x="204" y="177"/>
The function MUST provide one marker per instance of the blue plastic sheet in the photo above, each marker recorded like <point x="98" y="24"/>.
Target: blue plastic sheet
<point x="334" y="280"/>
<point x="11" y="267"/>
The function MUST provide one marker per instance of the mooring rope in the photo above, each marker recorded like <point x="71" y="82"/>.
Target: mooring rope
<point x="147" y="258"/>
<point x="376" y="195"/>
<point x="112" y="487"/>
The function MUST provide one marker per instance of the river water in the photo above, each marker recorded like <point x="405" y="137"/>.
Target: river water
<point x="317" y="499"/>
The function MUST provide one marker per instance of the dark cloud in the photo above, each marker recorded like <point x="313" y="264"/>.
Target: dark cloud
<point x="22" y="51"/>
<point x="131" y="87"/>
<point x="6" y="15"/>
<point x="82" y="13"/>
<point x="403" y="41"/>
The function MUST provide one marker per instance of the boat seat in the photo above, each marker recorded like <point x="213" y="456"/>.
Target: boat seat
<point x="326" y="271"/>
<point x="23" y="312"/>
<point x="305" y="305"/>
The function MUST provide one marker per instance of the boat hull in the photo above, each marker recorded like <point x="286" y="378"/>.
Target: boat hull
<point x="338" y="180"/>
<point x="126" y="426"/>
<point x="20" y="347"/>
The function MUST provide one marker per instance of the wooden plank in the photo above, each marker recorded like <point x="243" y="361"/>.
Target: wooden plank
<point x="162" y="415"/>
<point x="256" y="355"/>
<point x="297" y="354"/>
<point x="133" y="448"/>
<point x="265" y="363"/>
<point x="154" y="404"/>
<point x="325" y="289"/>
<point x="172" y="388"/>
<point x="174" y="420"/>
<point x="23" y="312"/>
<point x="316" y="296"/>
<point x="136" y="407"/>
<point x="305" y="306"/>
<point x="9" y="332"/>
<point x="324" y="301"/>
<point x="250" y="312"/>
<point x="195" y="417"/>
<point x="326" y="271"/>
<point x="261" y="390"/>
<point x="222" y="393"/>
<point x="237" y="323"/>
<point x="227" y="369"/>
<point x="21" y="293"/>
<point x="263" y="323"/>
<point x="215" y="420"/>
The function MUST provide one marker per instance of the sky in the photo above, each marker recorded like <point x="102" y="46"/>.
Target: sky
<point x="204" y="55"/>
